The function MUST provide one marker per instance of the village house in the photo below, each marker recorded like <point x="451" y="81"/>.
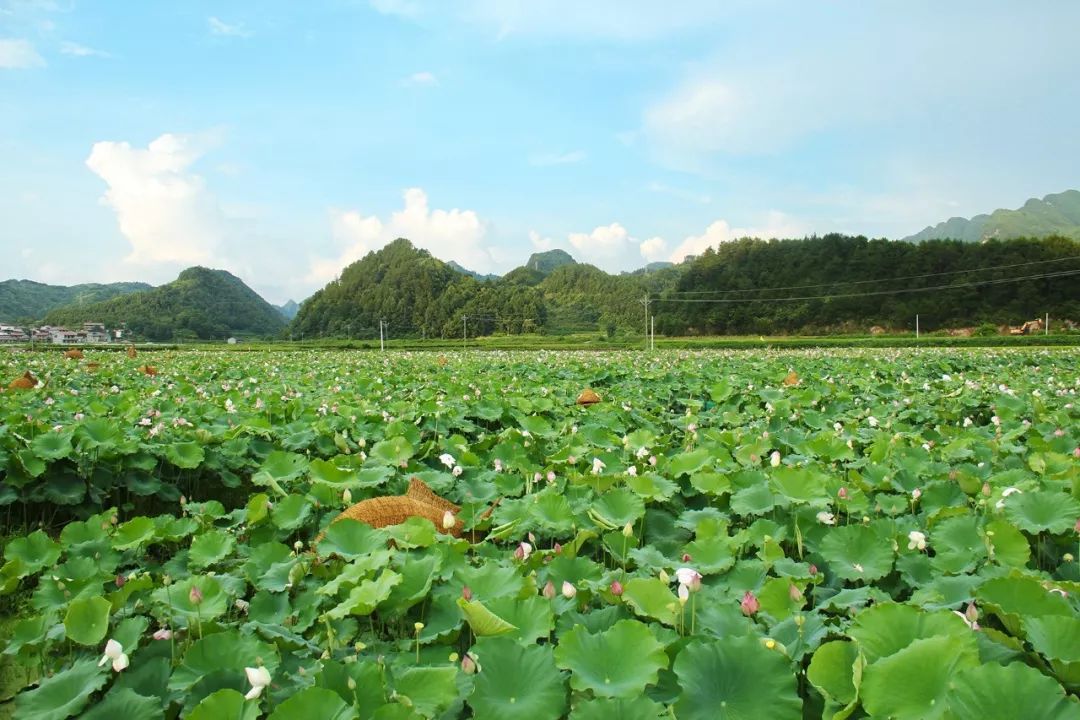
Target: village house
<point x="12" y="334"/>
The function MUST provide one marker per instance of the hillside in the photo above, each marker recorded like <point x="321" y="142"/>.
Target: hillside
<point x="289" y="309"/>
<point x="26" y="301"/>
<point x="546" y="262"/>
<point x="200" y="304"/>
<point x="1057" y="214"/>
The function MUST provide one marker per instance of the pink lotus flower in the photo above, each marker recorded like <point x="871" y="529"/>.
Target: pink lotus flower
<point x="523" y="551"/>
<point x="688" y="578"/>
<point x="163" y="634"/>
<point x="749" y="604"/>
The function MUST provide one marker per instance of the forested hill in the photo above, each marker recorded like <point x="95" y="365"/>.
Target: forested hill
<point x="762" y="287"/>
<point x="421" y="296"/>
<point x="26" y="301"/>
<point x="200" y="304"/>
<point x="1057" y="214"/>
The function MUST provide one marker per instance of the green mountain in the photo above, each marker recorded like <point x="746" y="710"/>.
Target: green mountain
<point x="545" y="262"/>
<point x="289" y="309"/>
<point x="200" y="304"/>
<point x="471" y="273"/>
<point x="26" y="301"/>
<point x="1057" y="214"/>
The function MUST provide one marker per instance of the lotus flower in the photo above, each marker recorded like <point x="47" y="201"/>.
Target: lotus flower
<point x="523" y="551"/>
<point x="826" y="518"/>
<point x="447" y="459"/>
<point x="597" y="466"/>
<point x="448" y="520"/>
<point x="749" y="604"/>
<point x="259" y="678"/>
<point x="916" y="540"/>
<point x="774" y="458"/>
<point x="688" y="578"/>
<point x="163" y="634"/>
<point x="114" y="651"/>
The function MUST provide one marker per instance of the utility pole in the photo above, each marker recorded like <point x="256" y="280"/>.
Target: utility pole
<point x="652" y="332"/>
<point x="1046" y="327"/>
<point x="382" y="341"/>
<point x="916" y="327"/>
<point x="464" y="330"/>
<point x="646" y="301"/>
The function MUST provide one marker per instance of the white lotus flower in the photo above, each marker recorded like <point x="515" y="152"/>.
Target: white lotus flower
<point x="688" y="578"/>
<point x="826" y="518"/>
<point x="597" y="466"/>
<point x="774" y="458"/>
<point x="114" y="651"/>
<point x="447" y="459"/>
<point x="259" y="678"/>
<point x="916" y="540"/>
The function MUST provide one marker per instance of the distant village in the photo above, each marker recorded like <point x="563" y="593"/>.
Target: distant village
<point x="92" y="333"/>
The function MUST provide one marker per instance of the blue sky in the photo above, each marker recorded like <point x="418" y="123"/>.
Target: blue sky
<point x="282" y="140"/>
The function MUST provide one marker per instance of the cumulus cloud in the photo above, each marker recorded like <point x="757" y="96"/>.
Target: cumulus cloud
<point x="18" y="54"/>
<point x="220" y="27"/>
<point x="422" y="78"/>
<point x="164" y="210"/>
<point x="447" y="234"/>
<point x="550" y="159"/>
<point x="653" y="249"/>
<point x="539" y="242"/>
<point x="776" y="225"/>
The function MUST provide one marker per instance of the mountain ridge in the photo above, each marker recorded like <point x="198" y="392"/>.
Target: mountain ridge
<point x="1054" y="214"/>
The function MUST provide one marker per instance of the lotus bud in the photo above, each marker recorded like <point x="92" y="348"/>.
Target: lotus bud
<point x="448" y="520"/>
<point x="916" y="494"/>
<point x="616" y="588"/>
<point x="468" y="665"/>
<point x="120" y="580"/>
<point x="628" y="530"/>
<point x="195" y="596"/>
<point x="466" y="593"/>
<point x="749" y="604"/>
<point x="351" y="684"/>
<point x="298" y="545"/>
<point x="557" y="548"/>
<point x="346" y="497"/>
<point x="774" y="458"/>
<point x="986" y="489"/>
<point x="971" y="612"/>
<point x="549" y="590"/>
<point x="664" y="577"/>
<point x="568" y="590"/>
<point x="795" y="593"/>
<point x="684" y="594"/>
<point x="842" y="493"/>
<point x="813" y="569"/>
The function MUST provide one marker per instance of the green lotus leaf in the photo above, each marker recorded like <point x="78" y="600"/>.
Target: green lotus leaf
<point x="958" y="546"/>
<point x="313" y="703"/>
<point x="651" y="486"/>
<point x="735" y="678"/>
<point x="127" y="704"/>
<point x="857" y="553"/>
<point x="53" y="445"/>
<point x="413" y="533"/>
<point x="97" y="433"/>
<point x="1010" y="546"/>
<point x="392" y="451"/>
<point x="1056" y="637"/>
<point x="365" y="597"/>
<point x="887" y="628"/>
<point x="753" y="500"/>
<point x="362" y="568"/>
<point x="64" y="694"/>
<point x="1015" y="597"/>
<point x="226" y="650"/>
<point x="911" y="684"/>
<point x="327" y="473"/>
<point x="799" y="484"/>
<point x="833" y="669"/>
<point x="258" y="508"/>
<point x="291" y="511"/>
<point x="618" y="662"/>
<point x="1006" y="692"/>
<point x="690" y="462"/>
<point x="516" y="682"/>
<point x="351" y="538"/>
<point x="652" y="598"/>
<point x="620" y="506"/>
<point x="283" y="466"/>
<point x="532" y="617"/>
<point x="430" y="690"/>
<point x="178" y="598"/>
<point x="490" y="580"/>
<point x="482" y="621"/>
<point x="417" y="575"/>
<point x="1041" y="511"/>
<point x="210" y="547"/>
<point x="550" y="511"/>
<point x="185" y="455"/>
<point x="87" y="620"/>
<point x="637" y="708"/>
<point x="574" y="570"/>
<point x="35" y="551"/>
<point x="226" y="703"/>
<point x="134" y="533"/>
<point x="713" y="555"/>
<point x="537" y="425"/>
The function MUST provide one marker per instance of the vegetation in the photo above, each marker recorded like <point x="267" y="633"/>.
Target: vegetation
<point x="1057" y="214"/>
<point x="25" y="301"/>
<point x="841" y="534"/>
<point x="200" y="304"/>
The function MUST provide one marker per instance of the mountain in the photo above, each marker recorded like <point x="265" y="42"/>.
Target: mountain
<point x="27" y="301"/>
<point x="289" y="309"/>
<point x="545" y="262"/>
<point x="1057" y="214"/>
<point x="201" y="304"/>
<point x="471" y="273"/>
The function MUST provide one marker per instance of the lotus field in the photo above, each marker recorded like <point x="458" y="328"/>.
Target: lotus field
<point x="842" y="534"/>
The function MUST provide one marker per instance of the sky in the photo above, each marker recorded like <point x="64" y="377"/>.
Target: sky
<point x="282" y="140"/>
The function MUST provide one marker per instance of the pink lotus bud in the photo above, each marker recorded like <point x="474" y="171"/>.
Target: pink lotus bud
<point x="1076" y="452"/>
<point x="163" y="634"/>
<point x="616" y="588"/>
<point x="120" y="580"/>
<point x="549" y="590"/>
<point x="468" y="665"/>
<point x="813" y="569"/>
<point x="986" y="489"/>
<point x="195" y="596"/>
<point x="466" y="592"/>
<point x="842" y="493"/>
<point x="749" y="604"/>
<point x="686" y="557"/>
<point x="971" y="612"/>
<point x="795" y="593"/>
<point x="557" y="548"/>
<point x="568" y="590"/>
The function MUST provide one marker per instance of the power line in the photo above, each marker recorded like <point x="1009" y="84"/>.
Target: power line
<point x="876" y="280"/>
<point x="977" y="283"/>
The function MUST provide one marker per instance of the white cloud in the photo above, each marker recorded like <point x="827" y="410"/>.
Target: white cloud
<point x="551" y="159"/>
<point x="19" y="54"/>
<point x="422" y="78"/>
<point x="653" y="249"/>
<point x="163" y="208"/>
<point x="447" y="234"/>
<point x="540" y="243"/>
<point x="77" y="50"/>
<point x="605" y="244"/>
<point x="776" y="225"/>
<point x="220" y="27"/>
